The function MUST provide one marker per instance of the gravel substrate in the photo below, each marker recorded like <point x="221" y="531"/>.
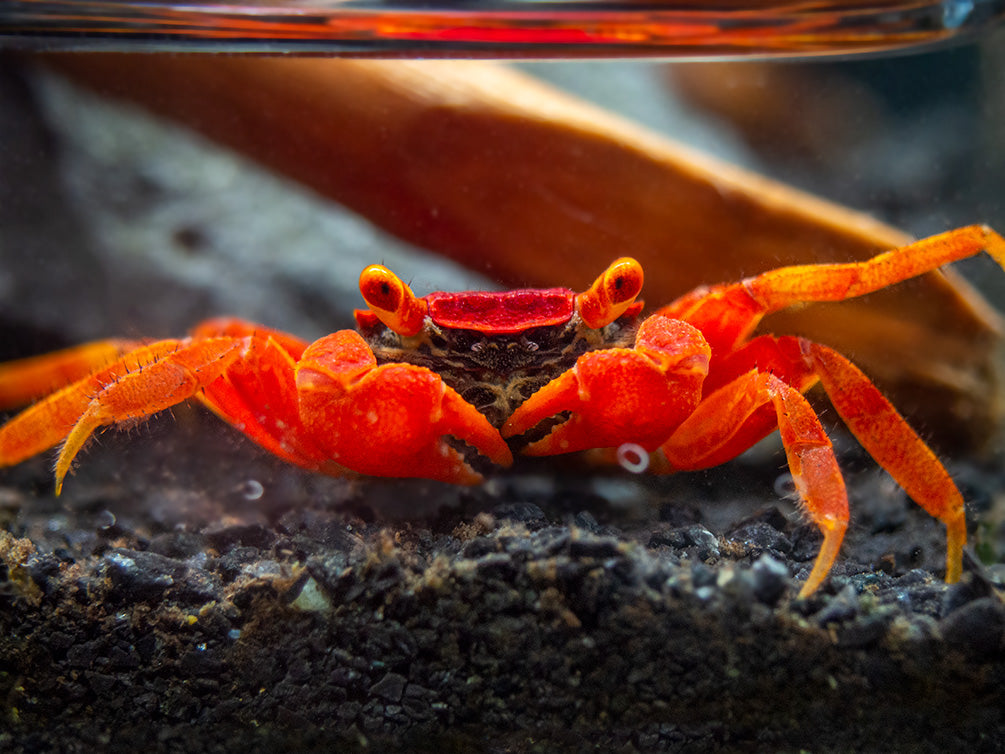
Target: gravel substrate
<point x="292" y="612"/>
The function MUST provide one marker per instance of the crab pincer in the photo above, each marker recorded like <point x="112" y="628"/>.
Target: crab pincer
<point x="389" y="420"/>
<point x="621" y="395"/>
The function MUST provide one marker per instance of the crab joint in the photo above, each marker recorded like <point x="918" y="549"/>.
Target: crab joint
<point x="611" y="294"/>
<point x="392" y="300"/>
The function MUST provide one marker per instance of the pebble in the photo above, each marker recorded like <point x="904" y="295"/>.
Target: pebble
<point x="762" y="536"/>
<point x="770" y="578"/>
<point x="978" y="626"/>
<point x="705" y="541"/>
<point x="842" y="608"/>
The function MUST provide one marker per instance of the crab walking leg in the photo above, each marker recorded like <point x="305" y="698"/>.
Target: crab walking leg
<point x="721" y="417"/>
<point x="777" y="289"/>
<point x="875" y="422"/>
<point x="155" y="386"/>
<point x="25" y="380"/>
<point x="144" y="381"/>
<point x="732" y="311"/>
<point x="621" y="395"/>
<point x="49" y="421"/>
<point x="890" y="440"/>
<point x="388" y="420"/>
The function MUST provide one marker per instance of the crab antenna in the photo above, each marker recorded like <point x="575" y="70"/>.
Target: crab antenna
<point x="611" y="293"/>
<point x="392" y="300"/>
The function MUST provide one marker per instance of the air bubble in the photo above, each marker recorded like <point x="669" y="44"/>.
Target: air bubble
<point x="785" y="486"/>
<point x="252" y="489"/>
<point x="633" y="457"/>
<point x="106" y="520"/>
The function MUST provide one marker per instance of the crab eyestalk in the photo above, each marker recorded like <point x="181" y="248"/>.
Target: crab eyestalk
<point x="392" y="300"/>
<point x="611" y="294"/>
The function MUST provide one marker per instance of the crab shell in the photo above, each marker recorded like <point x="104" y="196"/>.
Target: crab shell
<point x="496" y="349"/>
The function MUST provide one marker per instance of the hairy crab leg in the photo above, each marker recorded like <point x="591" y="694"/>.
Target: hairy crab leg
<point x="874" y="421"/>
<point x="877" y="425"/>
<point x="729" y="313"/>
<point x="620" y="395"/>
<point x="154" y="386"/>
<point x="388" y="420"/>
<point x="49" y="421"/>
<point x="144" y="381"/>
<point x="25" y="380"/>
<point x="699" y="440"/>
<point x="896" y="447"/>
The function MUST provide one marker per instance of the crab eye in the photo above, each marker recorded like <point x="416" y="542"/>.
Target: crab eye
<point x="622" y="281"/>
<point x="391" y="300"/>
<point x="611" y="293"/>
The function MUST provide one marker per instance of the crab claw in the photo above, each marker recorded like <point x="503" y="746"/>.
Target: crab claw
<point x="389" y="420"/>
<point x="621" y="395"/>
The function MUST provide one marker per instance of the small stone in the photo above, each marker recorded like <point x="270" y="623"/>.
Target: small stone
<point x="101" y="683"/>
<point x="140" y="576"/>
<point x="585" y="520"/>
<point x="523" y="513"/>
<point x="705" y="541"/>
<point x="675" y="539"/>
<point x="978" y="626"/>
<point x="770" y="579"/>
<point x="760" y="536"/>
<point x="843" y="608"/>
<point x="310" y="598"/>
<point x="390" y="687"/>
<point x="971" y="587"/>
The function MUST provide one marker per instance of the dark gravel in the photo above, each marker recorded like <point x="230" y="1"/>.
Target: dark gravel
<point x="315" y="617"/>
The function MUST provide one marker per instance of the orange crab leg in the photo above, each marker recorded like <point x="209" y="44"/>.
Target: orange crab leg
<point x="890" y="440"/>
<point x="152" y="387"/>
<point x="704" y="442"/>
<point x="783" y="357"/>
<point x="699" y="442"/>
<point x="48" y="422"/>
<point x="388" y="420"/>
<point x="620" y="395"/>
<point x="25" y="380"/>
<point x="728" y="314"/>
<point x="146" y="380"/>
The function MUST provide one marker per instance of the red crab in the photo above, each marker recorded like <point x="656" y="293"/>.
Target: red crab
<point x="543" y="371"/>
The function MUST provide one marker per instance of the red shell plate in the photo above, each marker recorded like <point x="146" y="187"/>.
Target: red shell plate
<point x="504" y="312"/>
